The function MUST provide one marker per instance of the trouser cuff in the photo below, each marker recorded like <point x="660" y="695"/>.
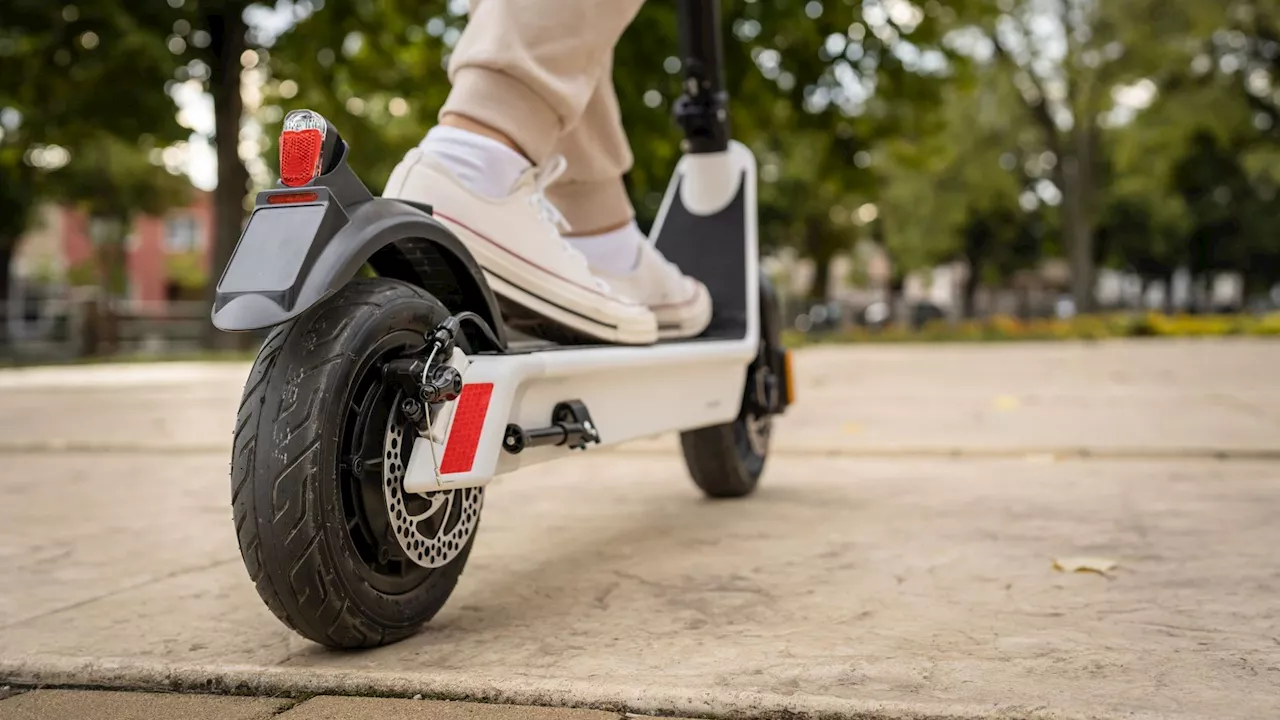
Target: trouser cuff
<point x="499" y="101"/>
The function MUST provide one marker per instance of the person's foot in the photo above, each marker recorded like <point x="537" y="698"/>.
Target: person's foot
<point x="515" y="240"/>
<point x="633" y="266"/>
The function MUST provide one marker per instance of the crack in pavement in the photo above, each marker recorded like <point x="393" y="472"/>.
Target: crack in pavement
<point x="117" y="591"/>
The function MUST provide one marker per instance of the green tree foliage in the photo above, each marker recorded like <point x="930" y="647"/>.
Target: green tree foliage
<point x="995" y="133"/>
<point x="812" y="85"/>
<point x="75" y="79"/>
<point x="1068" y="59"/>
<point x="1083" y="125"/>
<point x="975" y="190"/>
<point x="376" y="70"/>
<point x="1194" y="189"/>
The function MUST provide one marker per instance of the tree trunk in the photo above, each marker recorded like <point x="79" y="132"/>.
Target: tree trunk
<point x="821" y="278"/>
<point x="109" y="241"/>
<point x="7" y="248"/>
<point x="227" y="31"/>
<point x="899" y="313"/>
<point x="1077" y="225"/>
<point x="972" y="281"/>
<point x="821" y="252"/>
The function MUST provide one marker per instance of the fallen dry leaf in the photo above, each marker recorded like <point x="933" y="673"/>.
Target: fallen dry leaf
<point x="1098" y="565"/>
<point x="1006" y="402"/>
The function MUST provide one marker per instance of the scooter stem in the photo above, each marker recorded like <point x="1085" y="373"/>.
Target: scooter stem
<point x="702" y="110"/>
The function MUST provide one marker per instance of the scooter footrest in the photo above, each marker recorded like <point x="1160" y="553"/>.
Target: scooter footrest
<point x="571" y="425"/>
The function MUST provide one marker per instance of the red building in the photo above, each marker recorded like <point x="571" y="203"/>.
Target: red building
<point x="166" y="257"/>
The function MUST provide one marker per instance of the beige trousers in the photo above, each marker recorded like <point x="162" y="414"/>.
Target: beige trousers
<point x="540" y="72"/>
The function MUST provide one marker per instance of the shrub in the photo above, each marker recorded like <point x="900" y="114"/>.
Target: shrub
<point x="1084" y="327"/>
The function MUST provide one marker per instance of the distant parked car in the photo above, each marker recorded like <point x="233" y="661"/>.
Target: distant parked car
<point x="923" y="313"/>
<point x="822" y="317"/>
<point x="879" y="314"/>
<point x="876" y="314"/>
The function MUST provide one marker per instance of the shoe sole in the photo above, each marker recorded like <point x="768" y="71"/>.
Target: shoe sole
<point x="684" y="320"/>
<point x="554" y="300"/>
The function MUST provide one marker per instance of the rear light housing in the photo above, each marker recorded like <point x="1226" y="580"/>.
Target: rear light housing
<point x="307" y="145"/>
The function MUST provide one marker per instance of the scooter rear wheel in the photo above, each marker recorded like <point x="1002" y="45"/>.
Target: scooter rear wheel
<point x="308" y="473"/>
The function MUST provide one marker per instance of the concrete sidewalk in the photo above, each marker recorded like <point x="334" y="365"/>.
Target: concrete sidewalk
<point x="1159" y="397"/>
<point x="912" y="587"/>
<point x="105" y="705"/>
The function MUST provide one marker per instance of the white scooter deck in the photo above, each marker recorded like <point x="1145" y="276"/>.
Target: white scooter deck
<point x="706" y="225"/>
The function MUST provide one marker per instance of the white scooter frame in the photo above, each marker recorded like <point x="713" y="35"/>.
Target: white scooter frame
<point x="352" y="544"/>
<point x="632" y="392"/>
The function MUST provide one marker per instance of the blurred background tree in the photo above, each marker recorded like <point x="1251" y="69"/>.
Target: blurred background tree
<point x="82" y="101"/>
<point x="986" y="136"/>
<point x="813" y="86"/>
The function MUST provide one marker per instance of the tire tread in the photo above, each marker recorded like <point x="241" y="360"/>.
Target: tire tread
<point x="277" y="469"/>
<point x="715" y="462"/>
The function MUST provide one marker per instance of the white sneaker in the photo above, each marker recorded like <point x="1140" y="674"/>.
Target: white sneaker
<point x="516" y="241"/>
<point x="680" y="303"/>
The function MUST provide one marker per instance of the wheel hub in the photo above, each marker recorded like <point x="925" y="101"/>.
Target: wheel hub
<point x="431" y="528"/>
<point x="758" y="429"/>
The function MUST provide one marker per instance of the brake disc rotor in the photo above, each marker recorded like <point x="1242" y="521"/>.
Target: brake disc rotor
<point x="446" y="530"/>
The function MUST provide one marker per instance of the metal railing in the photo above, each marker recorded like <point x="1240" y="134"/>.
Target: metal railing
<point x="79" y="325"/>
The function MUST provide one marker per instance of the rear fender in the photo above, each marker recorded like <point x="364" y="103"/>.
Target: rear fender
<point x="292" y="256"/>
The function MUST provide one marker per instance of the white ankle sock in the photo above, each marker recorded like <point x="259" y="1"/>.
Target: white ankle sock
<point x="615" y="251"/>
<point x="483" y="164"/>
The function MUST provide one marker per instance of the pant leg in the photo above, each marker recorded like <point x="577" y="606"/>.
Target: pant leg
<point x="591" y="194"/>
<point x="531" y="68"/>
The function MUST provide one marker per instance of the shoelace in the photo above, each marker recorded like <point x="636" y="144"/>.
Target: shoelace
<point x="547" y="174"/>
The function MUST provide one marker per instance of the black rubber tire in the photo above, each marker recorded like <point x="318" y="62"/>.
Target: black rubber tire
<point x="721" y="459"/>
<point x="284" y="476"/>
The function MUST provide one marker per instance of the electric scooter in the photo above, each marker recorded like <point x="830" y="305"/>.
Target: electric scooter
<point x="395" y="384"/>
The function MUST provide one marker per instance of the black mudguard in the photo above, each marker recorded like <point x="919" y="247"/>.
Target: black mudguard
<point x="772" y="352"/>
<point x="292" y="256"/>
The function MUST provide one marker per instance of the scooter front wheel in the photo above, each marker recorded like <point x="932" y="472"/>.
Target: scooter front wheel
<point x="316" y="475"/>
<point x="726" y="461"/>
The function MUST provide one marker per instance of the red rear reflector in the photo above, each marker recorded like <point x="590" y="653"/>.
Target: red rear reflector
<point x="300" y="156"/>
<point x="288" y="198"/>
<point x="468" y="422"/>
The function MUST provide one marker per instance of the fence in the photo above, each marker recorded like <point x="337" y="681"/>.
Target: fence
<point x="76" y="326"/>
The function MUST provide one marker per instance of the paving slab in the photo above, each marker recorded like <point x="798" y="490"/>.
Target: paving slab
<point x="1121" y="397"/>
<point x="103" y="705"/>
<point x="356" y="708"/>
<point x="887" y="588"/>
<point x="850" y="585"/>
